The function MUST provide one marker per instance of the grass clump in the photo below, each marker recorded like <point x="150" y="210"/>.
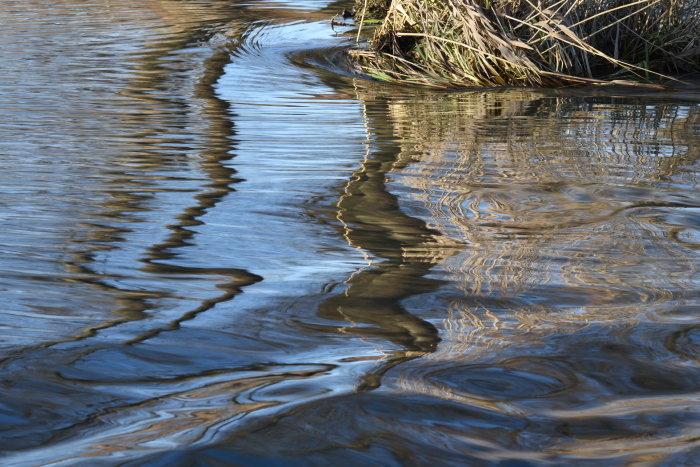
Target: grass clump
<point x="477" y="43"/>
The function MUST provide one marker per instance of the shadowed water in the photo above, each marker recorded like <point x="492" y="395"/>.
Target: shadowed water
<point x="219" y="247"/>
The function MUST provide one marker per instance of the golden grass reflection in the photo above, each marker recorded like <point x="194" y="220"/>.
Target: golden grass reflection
<point x="540" y="190"/>
<point x="555" y="221"/>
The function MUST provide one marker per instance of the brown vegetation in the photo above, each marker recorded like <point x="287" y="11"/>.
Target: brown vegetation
<point x="474" y="43"/>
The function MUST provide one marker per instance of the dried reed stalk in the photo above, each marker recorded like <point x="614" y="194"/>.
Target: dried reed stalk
<point x="476" y="43"/>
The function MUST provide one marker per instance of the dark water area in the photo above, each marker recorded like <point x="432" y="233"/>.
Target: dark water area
<point x="219" y="247"/>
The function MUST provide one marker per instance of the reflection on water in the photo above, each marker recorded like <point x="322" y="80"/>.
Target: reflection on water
<point x="569" y="286"/>
<point x="538" y="234"/>
<point x="219" y="247"/>
<point x="545" y="193"/>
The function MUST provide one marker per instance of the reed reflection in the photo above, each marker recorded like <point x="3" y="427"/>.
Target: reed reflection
<point x="540" y="229"/>
<point x="569" y="290"/>
<point x="371" y="220"/>
<point x="543" y="192"/>
<point x="159" y="162"/>
<point x="215" y="155"/>
<point x="567" y="204"/>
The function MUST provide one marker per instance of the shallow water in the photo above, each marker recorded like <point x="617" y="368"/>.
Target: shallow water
<point x="219" y="247"/>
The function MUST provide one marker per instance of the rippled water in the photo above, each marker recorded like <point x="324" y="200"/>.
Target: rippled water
<point x="220" y="247"/>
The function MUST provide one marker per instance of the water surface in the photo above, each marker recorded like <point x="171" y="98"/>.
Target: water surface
<point x="219" y="246"/>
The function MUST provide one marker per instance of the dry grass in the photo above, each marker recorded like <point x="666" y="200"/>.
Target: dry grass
<point x="475" y="43"/>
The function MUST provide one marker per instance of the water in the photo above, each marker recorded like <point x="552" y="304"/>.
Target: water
<point x="219" y="247"/>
